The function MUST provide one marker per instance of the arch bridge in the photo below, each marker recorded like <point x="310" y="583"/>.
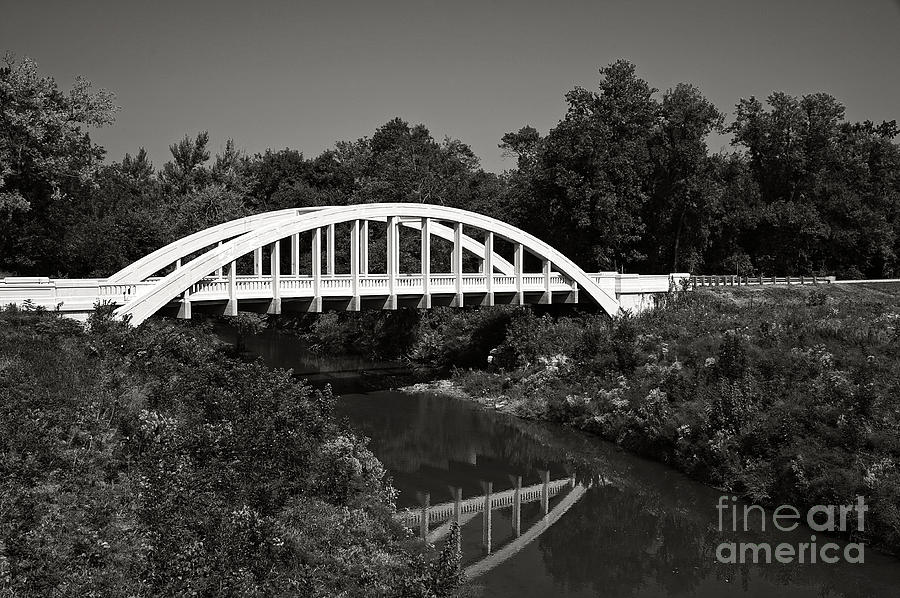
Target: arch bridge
<point x="287" y="260"/>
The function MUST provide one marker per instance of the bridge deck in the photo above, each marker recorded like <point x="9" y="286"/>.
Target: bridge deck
<point x="339" y="285"/>
<point x="80" y="295"/>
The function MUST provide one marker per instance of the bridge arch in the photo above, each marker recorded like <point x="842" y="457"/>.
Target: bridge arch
<point x="165" y="256"/>
<point x="168" y="255"/>
<point x="265" y="231"/>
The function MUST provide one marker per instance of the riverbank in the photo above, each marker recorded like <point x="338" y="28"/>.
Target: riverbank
<point x="155" y="462"/>
<point x="452" y="388"/>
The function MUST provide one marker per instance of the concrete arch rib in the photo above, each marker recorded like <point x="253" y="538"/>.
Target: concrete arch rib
<point x="178" y="281"/>
<point x="168" y="255"/>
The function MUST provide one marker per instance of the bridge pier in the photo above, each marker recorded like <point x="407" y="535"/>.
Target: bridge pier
<point x="329" y="250"/>
<point x="219" y="270"/>
<point x="184" y="308"/>
<point x="295" y="254"/>
<point x="364" y="248"/>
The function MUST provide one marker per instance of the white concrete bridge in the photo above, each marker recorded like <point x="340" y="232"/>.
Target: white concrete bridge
<point x="203" y="271"/>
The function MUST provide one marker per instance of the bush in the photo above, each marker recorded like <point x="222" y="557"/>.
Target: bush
<point x="148" y="462"/>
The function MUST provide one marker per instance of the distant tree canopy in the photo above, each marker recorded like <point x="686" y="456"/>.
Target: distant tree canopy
<point x="624" y="181"/>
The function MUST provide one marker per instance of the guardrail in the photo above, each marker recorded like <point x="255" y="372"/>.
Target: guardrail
<point x="732" y="280"/>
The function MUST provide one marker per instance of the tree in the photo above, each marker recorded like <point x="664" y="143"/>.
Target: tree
<point x="207" y="207"/>
<point x="139" y="168"/>
<point x="125" y="217"/>
<point x="733" y="229"/>
<point x="46" y="155"/>
<point x="274" y="172"/>
<point x="230" y="169"/>
<point x="590" y="173"/>
<point x="404" y="163"/>
<point x="684" y="191"/>
<point x="518" y="193"/>
<point x="185" y="172"/>
<point x="285" y="179"/>
<point x="827" y="186"/>
<point x="523" y="144"/>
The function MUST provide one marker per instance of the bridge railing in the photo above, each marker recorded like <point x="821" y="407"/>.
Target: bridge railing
<point x="295" y="284"/>
<point x="122" y="293"/>
<point x="246" y="286"/>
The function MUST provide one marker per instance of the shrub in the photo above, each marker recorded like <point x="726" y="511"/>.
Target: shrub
<point x="148" y="462"/>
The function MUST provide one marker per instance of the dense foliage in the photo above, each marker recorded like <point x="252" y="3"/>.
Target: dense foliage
<point x="149" y="462"/>
<point x="783" y="396"/>
<point x="624" y="181"/>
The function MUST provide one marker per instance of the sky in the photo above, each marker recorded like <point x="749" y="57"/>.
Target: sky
<point x="305" y="74"/>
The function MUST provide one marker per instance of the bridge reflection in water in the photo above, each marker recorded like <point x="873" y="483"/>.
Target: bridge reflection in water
<point x="462" y="511"/>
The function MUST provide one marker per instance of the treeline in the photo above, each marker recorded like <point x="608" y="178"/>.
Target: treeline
<point x="624" y="181"/>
